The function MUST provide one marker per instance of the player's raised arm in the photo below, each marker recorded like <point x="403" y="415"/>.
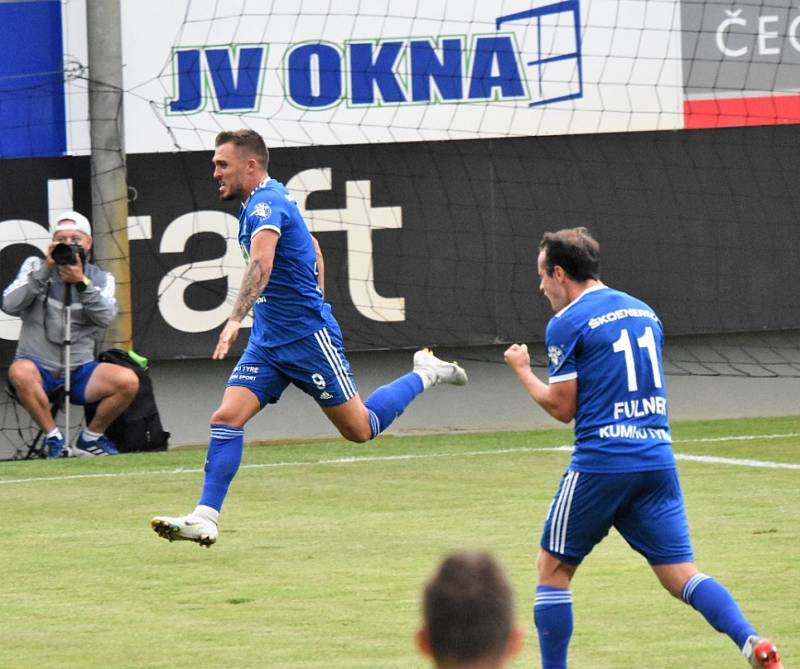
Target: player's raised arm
<point x="256" y="277"/>
<point x="557" y="399"/>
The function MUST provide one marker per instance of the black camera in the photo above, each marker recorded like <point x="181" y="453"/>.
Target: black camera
<point x="64" y="254"/>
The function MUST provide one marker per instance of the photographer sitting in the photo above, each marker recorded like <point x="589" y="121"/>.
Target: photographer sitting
<point x="39" y="294"/>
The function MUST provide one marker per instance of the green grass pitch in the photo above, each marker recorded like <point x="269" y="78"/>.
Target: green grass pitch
<point x="324" y="547"/>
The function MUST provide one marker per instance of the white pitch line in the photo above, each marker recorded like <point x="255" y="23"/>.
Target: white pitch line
<point x="712" y="459"/>
<point x="425" y="456"/>
<point x="349" y="460"/>
<point x="738" y="437"/>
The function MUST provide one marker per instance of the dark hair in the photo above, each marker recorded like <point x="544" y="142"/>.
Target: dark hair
<point x="468" y="607"/>
<point x="246" y="139"/>
<point x="574" y="250"/>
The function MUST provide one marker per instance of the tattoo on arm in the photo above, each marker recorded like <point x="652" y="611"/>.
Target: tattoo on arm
<point x="255" y="279"/>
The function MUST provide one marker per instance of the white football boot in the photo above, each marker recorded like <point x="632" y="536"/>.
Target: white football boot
<point x="435" y="371"/>
<point x="190" y="527"/>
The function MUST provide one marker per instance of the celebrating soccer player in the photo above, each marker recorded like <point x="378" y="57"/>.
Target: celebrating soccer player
<point x="294" y="339"/>
<point x="605" y="371"/>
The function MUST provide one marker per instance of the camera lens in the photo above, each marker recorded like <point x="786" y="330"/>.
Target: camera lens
<point x="64" y="254"/>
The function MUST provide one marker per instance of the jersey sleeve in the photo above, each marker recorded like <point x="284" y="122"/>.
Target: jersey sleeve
<point x="31" y="281"/>
<point x="561" y="339"/>
<point x="266" y="212"/>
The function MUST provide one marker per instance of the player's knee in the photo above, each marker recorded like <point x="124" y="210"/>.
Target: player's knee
<point x="552" y="571"/>
<point x="358" y="434"/>
<point x="221" y="417"/>
<point x="674" y="588"/>
<point x="673" y="577"/>
<point x="544" y="567"/>
<point x="226" y="415"/>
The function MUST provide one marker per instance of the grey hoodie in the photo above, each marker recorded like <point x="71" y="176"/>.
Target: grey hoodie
<point x="37" y="297"/>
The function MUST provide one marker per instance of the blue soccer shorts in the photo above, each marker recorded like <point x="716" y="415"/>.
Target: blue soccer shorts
<point x="646" y="508"/>
<point x="78" y="379"/>
<point x="316" y="364"/>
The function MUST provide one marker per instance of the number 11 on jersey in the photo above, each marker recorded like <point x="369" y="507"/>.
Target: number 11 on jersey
<point x="646" y="341"/>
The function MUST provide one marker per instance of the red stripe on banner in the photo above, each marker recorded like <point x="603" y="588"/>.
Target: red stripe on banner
<point x="731" y="112"/>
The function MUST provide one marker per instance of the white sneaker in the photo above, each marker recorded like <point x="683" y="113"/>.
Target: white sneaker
<point x="438" y="371"/>
<point x="186" y="528"/>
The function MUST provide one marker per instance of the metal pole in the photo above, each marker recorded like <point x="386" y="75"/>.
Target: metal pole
<point x="67" y="362"/>
<point x="108" y="172"/>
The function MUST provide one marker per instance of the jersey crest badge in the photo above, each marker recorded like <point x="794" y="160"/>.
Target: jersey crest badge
<point x="556" y="355"/>
<point x="262" y="210"/>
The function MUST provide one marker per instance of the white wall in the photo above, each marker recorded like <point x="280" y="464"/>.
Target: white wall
<point x="188" y="392"/>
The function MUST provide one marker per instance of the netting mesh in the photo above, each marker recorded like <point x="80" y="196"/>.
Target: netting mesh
<point x="429" y="146"/>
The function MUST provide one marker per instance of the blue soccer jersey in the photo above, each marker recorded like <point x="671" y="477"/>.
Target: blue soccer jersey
<point x="611" y="343"/>
<point x="291" y="306"/>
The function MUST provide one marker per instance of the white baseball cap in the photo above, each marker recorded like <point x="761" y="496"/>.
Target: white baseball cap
<point x="71" y="220"/>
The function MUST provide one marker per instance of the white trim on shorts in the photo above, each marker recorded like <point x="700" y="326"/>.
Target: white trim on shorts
<point x="560" y="513"/>
<point x="328" y="349"/>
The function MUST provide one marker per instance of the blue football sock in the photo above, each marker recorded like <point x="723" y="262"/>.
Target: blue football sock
<point x="552" y="615"/>
<point x="222" y="462"/>
<point x="389" y="401"/>
<point x="718" y="607"/>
